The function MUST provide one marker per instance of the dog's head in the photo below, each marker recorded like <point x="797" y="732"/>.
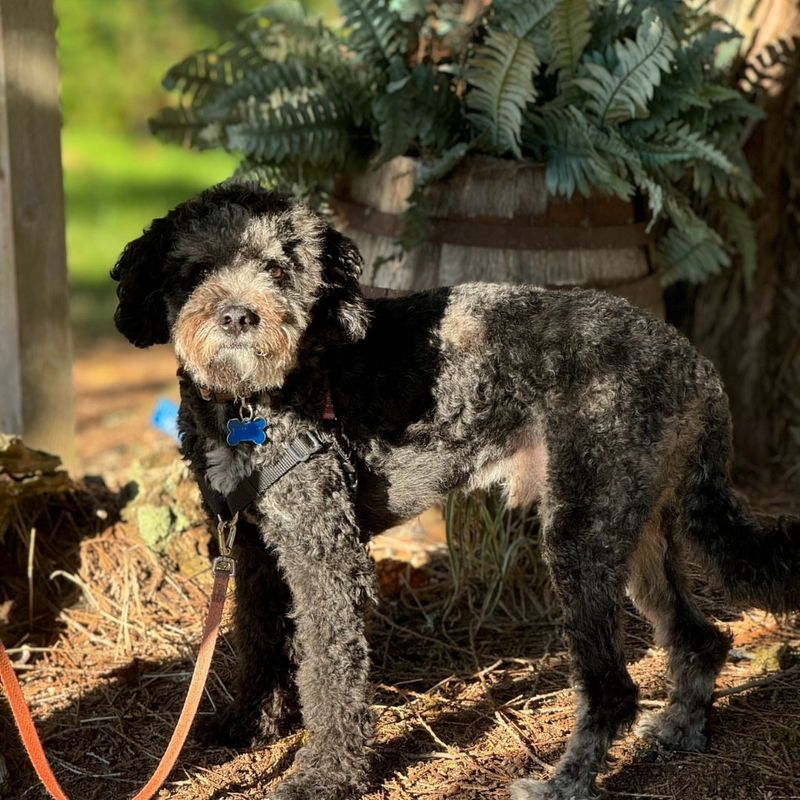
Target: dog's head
<point x="238" y="278"/>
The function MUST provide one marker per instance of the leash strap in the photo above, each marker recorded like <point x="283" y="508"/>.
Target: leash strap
<point x="223" y="569"/>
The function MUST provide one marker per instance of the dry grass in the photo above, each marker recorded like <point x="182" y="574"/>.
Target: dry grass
<point x="495" y="564"/>
<point x="461" y="710"/>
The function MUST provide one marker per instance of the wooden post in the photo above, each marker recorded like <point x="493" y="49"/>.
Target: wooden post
<point x="36" y="396"/>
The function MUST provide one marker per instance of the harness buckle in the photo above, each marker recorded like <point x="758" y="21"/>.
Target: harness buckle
<point x="304" y="445"/>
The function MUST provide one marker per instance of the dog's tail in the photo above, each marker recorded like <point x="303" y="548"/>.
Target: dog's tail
<point x="756" y="559"/>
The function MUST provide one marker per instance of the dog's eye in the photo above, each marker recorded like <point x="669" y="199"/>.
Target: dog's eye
<point x="276" y="272"/>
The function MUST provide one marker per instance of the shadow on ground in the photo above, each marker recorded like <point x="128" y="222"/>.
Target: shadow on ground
<point x="455" y="716"/>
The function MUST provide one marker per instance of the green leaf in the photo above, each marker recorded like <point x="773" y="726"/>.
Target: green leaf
<point x="691" y="253"/>
<point x="187" y="127"/>
<point x="420" y="115"/>
<point x="377" y="33"/>
<point x="567" y="142"/>
<point x="271" y="35"/>
<point x="501" y="78"/>
<point x="737" y="226"/>
<point x="624" y="93"/>
<point x="306" y="121"/>
<point x="570" y="29"/>
<point x="528" y="19"/>
<point x="678" y="143"/>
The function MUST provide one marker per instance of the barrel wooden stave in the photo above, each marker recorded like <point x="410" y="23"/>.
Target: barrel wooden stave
<point x="486" y="194"/>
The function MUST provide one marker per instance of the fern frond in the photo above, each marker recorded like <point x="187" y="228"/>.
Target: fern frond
<point x="738" y="228"/>
<point x="735" y="184"/>
<point x="421" y="114"/>
<point x="259" y="84"/>
<point x="271" y="35"/>
<point x="691" y="253"/>
<point x="678" y="143"/>
<point x="570" y="29"/>
<point x="501" y="71"/>
<point x="501" y="76"/>
<point x="702" y="45"/>
<point x="377" y="34"/>
<point x="268" y="175"/>
<point x="272" y="86"/>
<point x="725" y="104"/>
<point x="528" y="19"/>
<point x="522" y="17"/>
<point x="292" y="177"/>
<point x="654" y="192"/>
<point x="565" y="140"/>
<point x="187" y="127"/>
<point x="308" y="121"/>
<point x="615" y="19"/>
<point x="625" y="93"/>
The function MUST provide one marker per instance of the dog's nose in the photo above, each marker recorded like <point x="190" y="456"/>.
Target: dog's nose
<point x="238" y="319"/>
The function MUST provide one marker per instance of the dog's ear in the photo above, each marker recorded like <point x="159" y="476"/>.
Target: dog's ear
<point x="342" y="265"/>
<point x="141" y="314"/>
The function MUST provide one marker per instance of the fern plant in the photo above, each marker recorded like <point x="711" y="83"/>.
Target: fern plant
<point x="613" y="96"/>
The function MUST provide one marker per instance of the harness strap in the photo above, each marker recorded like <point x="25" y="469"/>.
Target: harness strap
<point x="32" y="742"/>
<point x="300" y="449"/>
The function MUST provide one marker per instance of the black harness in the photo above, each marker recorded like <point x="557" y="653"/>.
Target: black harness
<point x="226" y="507"/>
<point x="252" y="486"/>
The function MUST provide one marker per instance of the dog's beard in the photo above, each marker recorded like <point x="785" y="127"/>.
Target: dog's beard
<point x="242" y="365"/>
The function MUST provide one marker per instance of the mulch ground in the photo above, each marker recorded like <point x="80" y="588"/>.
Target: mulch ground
<point x="460" y="712"/>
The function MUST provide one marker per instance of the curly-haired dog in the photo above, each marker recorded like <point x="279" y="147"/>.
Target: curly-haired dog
<point x="600" y="412"/>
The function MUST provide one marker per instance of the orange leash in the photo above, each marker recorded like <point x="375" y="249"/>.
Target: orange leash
<point x="223" y="568"/>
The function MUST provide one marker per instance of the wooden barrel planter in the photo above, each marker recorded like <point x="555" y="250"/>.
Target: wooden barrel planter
<point x="493" y="220"/>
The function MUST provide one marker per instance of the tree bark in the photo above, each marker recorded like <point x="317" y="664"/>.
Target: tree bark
<point x="753" y="335"/>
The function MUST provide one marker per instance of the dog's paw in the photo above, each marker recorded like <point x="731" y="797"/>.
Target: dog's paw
<point x="674" y="728"/>
<point x="529" y="789"/>
<point x="238" y="730"/>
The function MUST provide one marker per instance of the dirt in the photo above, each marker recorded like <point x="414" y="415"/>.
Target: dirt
<point x="460" y="713"/>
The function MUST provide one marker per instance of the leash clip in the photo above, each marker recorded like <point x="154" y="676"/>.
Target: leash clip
<point x="226" y="534"/>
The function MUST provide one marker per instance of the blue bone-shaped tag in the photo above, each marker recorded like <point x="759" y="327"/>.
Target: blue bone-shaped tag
<point x="251" y="430"/>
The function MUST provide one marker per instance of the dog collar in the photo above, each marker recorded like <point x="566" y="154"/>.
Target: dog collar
<point x="209" y="395"/>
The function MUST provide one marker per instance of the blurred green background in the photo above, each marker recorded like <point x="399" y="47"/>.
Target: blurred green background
<point x="112" y="55"/>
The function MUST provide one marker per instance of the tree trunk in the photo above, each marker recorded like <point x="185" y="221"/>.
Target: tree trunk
<point x="753" y="335"/>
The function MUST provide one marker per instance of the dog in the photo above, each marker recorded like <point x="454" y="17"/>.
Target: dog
<point x="602" y="414"/>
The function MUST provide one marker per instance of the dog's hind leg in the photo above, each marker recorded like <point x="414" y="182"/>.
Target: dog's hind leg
<point x="265" y="704"/>
<point x="587" y="557"/>
<point x="696" y="648"/>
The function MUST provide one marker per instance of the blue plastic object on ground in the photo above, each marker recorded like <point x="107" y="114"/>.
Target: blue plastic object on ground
<point x="165" y="417"/>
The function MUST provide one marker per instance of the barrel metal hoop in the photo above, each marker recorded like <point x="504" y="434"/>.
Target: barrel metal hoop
<point x="515" y="233"/>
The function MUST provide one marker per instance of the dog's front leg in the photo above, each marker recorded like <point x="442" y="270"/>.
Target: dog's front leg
<point x="264" y="705"/>
<point x="331" y="576"/>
